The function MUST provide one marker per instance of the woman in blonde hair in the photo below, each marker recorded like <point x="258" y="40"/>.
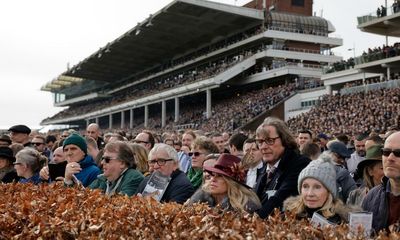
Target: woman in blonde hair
<point x="141" y="157"/>
<point x="227" y="187"/>
<point x="27" y="164"/>
<point x="318" y="193"/>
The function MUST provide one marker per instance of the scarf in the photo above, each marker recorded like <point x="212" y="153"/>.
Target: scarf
<point x="195" y="177"/>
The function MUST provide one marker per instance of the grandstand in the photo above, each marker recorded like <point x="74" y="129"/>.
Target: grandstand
<point x="193" y="60"/>
<point x="366" y="87"/>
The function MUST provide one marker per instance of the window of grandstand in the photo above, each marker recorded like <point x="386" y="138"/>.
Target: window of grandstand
<point x="309" y="103"/>
<point x="299" y="3"/>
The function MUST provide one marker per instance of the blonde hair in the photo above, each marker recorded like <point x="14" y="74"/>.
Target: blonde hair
<point x="239" y="196"/>
<point x="327" y="210"/>
<point x="141" y="159"/>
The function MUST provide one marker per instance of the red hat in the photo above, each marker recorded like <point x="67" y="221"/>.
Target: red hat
<point x="229" y="166"/>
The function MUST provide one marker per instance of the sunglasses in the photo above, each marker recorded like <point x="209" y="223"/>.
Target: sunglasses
<point x="37" y="143"/>
<point x="107" y="159"/>
<point x="196" y="154"/>
<point x="387" y="151"/>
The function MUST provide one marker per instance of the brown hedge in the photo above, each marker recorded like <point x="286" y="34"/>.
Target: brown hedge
<point x="56" y="212"/>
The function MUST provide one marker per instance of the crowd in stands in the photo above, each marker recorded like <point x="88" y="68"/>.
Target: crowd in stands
<point x="378" y="53"/>
<point x="270" y="170"/>
<point x="352" y="113"/>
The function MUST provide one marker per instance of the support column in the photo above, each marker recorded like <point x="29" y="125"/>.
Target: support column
<point x="146" y="115"/>
<point x="364" y="83"/>
<point x="122" y="119"/>
<point x="97" y="120"/>
<point x="163" y="113"/>
<point x="110" y="121"/>
<point x="131" y="118"/>
<point x="87" y="122"/>
<point x="388" y="73"/>
<point x="329" y="89"/>
<point x="208" y="103"/>
<point x="176" y="109"/>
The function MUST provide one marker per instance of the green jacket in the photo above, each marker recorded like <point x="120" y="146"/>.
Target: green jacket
<point x="126" y="184"/>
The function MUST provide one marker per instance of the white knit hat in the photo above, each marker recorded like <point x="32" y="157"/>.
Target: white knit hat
<point x="322" y="170"/>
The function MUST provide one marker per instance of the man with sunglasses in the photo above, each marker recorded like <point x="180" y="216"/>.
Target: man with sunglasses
<point x="119" y="170"/>
<point x="164" y="159"/>
<point x="384" y="200"/>
<point x="284" y="164"/>
<point x="39" y="143"/>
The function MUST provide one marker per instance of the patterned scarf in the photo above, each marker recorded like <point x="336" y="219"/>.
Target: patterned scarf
<point x="195" y="177"/>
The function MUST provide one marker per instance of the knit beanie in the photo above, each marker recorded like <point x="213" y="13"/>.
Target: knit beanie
<point x="77" y="140"/>
<point x="322" y="170"/>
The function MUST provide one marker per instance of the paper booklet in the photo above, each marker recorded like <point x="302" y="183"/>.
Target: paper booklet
<point x="361" y="219"/>
<point x="156" y="185"/>
<point x="320" y="221"/>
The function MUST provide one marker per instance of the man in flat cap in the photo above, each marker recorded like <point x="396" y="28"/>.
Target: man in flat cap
<point x="20" y="134"/>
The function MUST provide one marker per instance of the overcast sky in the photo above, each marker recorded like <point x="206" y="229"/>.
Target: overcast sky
<point x="39" y="38"/>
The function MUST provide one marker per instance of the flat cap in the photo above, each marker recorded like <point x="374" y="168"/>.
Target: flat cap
<point x="20" y="129"/>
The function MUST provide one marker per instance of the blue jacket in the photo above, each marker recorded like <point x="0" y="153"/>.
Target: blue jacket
<point x="35" y="179"/>
<point x="89" y="171"/>
<point x="377" y="202"/>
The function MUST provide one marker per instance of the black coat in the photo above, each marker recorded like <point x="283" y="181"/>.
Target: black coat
<point x="283" y="182"/>
<point x="377" y="202"/>
<point x="179" y="188"/>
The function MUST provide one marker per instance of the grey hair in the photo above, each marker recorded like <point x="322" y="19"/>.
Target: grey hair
<point x="31" y="157"/>
<point x="171" y="152"/>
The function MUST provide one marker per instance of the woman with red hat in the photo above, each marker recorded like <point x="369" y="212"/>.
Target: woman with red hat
<point x="227" y="187"/>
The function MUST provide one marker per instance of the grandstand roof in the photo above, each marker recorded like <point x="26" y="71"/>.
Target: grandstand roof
<point x="181" y="26"/>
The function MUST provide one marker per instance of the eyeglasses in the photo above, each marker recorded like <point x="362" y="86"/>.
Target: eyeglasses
<point x="268" y="141"/>
<point x="17" y="163"/>
<point x="387" y="151"/>
<point x="37" y="143"/>
<point x="64" y="136"/>
<point x="160" y="161"/>
<point x="196" y="154"/>
<point x="107" y="159"/>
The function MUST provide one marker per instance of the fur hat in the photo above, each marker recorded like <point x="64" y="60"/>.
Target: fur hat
<point x="322" y="170"/>
<point x="77" y="140"/>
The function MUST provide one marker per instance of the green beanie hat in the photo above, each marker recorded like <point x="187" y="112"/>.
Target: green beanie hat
<point x="77" y="140"/>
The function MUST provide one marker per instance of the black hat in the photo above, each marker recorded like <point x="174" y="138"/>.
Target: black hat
<point x="5" y="138"/>
<point x="20" y="129"/>
<point x="7" y="153"/>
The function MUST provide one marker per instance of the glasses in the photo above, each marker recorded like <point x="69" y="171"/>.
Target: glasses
<point x="196" y="154"/>
<point x="37" y="143"/>
<point x="387" y="151"/>
<point x="17" y="163"/>
<point x="160" y="161"/>
<point x="268" y="141"/>
<point x="107" y="159"/>
<point x="64" y="136"/>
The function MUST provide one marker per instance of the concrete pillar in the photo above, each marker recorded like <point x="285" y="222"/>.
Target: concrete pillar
<point x="122" y="119"/>
<point x="329" y="89"/>
<point x="131" y="118"/>
<point x="388" y="73"/>
<point x="110" y="122"/>
<point x="176" y="109"/>
<point x="97" y="120"/>
<point x="364" y="79"/>
<point x="208" y="103"/>
<point x="163" y="113"/>
<point x="146" y="116"/>
<point x="87" y="122"/>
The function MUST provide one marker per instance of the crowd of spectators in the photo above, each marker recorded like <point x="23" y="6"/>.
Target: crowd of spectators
<point x="378" y="53"/>
<point x="352" y="113"/>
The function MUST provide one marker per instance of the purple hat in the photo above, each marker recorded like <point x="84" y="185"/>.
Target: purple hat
<point x="228" y="165"/>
